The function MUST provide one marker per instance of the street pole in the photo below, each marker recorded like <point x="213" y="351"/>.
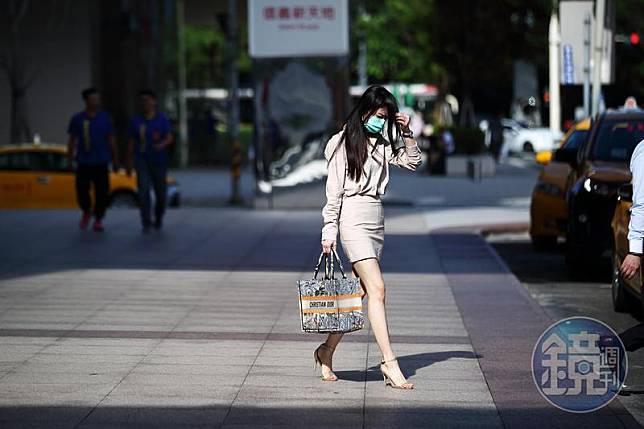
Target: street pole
<point x="362" y="54"/>
<point x="587" y="44"/>
<point x="600" y="11"/>
<point x="554" y="40"/>
<point x="181" y="87"/>
<point x="233" y="103"/>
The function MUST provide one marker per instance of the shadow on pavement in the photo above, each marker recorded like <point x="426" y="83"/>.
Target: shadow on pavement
<point x="409" y="364"/>
<point x="285" y="246"/>
<point x="531" y="266"/>
<point x="303" y="413"/>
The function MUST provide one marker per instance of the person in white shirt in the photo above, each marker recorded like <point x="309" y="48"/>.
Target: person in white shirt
<point x="633" y="338"/>
<point x="632" y="261"/>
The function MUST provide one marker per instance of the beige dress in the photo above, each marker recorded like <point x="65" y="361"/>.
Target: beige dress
<point x="354" y="207"/>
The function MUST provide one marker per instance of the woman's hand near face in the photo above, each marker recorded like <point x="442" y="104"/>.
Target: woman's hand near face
<point x="403" y="121"/>
<point x="327" y="245"/>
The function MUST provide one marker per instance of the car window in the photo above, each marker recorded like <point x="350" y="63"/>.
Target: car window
<point x="53" y="161"/>
<point x="18" y="161"/>
<point x="616" y="140"/>
<point x="576" y="139"/>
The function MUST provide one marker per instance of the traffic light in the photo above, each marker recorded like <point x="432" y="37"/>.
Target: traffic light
<point x="632" y="39"/>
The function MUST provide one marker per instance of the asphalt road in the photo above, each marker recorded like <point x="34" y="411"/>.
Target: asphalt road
<point x="547" y="279"/>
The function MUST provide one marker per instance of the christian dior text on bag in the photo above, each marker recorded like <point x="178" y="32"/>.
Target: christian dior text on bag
<point x="330" y="304"/>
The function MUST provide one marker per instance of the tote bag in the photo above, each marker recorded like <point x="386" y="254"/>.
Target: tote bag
<point x="330" y="305"/>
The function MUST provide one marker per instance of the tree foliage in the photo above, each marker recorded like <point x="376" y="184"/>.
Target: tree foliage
<point x="398" y="38"/>
<point x="206" y="56"/>
<point x="204" y="62"/>
<point x="478" y="41"/>
<point x="472" y="43"/>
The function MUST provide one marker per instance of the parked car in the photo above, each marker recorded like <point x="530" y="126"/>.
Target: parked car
<point x="628" y="295"/>
<point x="599" y="168"/>
<point x="518" y="138"/>
<point x="38" y="176"/>
<point x="548" y="208"/>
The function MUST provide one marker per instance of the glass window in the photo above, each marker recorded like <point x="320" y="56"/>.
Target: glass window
<point x="576" y="139"/>
<point x="53" y="161"/>
<point x="19" y="161"/>
<point x="616" y="140"/>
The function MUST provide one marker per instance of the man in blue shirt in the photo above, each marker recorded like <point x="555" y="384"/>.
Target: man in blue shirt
<point x="93" y="146"/>
<point x="150" y="134"/>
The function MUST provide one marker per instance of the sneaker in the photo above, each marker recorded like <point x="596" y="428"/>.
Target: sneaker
<point x="84" y="222"/>
<point x="158" y="224"/>
<point x="98" y="226"/>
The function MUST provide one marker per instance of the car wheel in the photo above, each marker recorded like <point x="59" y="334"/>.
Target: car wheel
<point x="527" y="147"/>
<point x="123" y="200"/>
<point x="621" y="302"/>
<point x="542" y="243"/>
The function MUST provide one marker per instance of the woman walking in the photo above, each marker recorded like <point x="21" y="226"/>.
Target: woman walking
<point x="358" y="165"/>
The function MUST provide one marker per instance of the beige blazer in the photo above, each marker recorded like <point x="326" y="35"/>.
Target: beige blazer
<point x="374" y="180"/>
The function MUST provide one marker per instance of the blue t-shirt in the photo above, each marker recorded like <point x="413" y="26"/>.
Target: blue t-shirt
<point x="92" y="137"/>
<point x="147" y="133"/>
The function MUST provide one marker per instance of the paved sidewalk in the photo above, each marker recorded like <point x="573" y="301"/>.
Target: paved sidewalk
<point x="511" y="187"/>
<point x="197" y="326"/>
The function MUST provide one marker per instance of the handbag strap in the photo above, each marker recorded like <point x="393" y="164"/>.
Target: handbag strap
<point x="335" y="253"/>
<point x="329" y="265"/>
<point x="317" y="267"/>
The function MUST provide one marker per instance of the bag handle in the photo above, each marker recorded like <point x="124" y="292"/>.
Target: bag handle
<point x="329" y="265"/>
<point x="335" y="252"/>
<point x="317" y="267"/>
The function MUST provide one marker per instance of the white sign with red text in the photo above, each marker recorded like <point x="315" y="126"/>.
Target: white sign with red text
<point x="296" y="28"/>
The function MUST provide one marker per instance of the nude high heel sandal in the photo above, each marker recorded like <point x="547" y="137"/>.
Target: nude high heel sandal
<point x="318" y="361"/>
<point x="388" y="381"/>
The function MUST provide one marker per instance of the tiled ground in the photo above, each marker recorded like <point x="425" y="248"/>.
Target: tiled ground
<point x="197" y="326"/>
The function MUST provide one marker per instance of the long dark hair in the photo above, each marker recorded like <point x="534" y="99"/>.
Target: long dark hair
<point x="355" y="136"/>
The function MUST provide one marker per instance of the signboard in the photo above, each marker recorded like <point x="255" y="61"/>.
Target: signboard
<point x="298" y="28"/>
<point x="568" y="65"/>
<point x="573" y="35"/>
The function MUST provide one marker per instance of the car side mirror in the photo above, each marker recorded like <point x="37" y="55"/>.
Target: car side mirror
<point x="625" y="192"/>
<point x="568" y="156"/>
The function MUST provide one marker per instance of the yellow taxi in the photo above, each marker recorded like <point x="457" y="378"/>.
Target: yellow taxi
<point x="627" y="294"/>
<point x="548" y="208"/>
<point x="38" y="176"/>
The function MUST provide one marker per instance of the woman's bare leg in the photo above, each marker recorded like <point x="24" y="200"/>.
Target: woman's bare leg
<point x="371" y="278"/>
<point x="369" y="272"/>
